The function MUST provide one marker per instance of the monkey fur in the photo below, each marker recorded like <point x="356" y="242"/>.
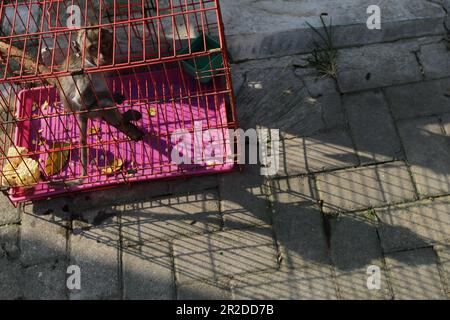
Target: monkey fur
<point x="87" y="95"/>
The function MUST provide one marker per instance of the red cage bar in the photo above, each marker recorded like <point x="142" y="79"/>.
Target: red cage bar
<point x="156" y="67"/>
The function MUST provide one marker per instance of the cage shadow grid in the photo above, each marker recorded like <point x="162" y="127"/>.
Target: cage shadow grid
<point x="143" y="80"/>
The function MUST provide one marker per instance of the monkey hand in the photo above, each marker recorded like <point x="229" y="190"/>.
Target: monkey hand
<point x="119" y="98"/>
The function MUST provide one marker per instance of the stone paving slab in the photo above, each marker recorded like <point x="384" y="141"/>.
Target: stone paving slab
<point x="10" y="279"/>
<point x="275" y="97"/>
<point x="148" y="272"/>
<point x="419" y="99"/>
<point x="443" y="253"/>
<point x="291" y="193"/>
<point x="415" y="275"/>
<point x="9" y="242"/>
<point x="95" y="218"/>
<point x="204" y="291"/>
<point x="354" y="248"/>
<point x="10" y="268"/>
<point x="79" y="203"/>
<point x="372" y="127"/>
<point x="120" y="195"/>
<point x="325" y="151"/>
<point x="259" y="97"/>
<point x="391" y="64"/>
<point x="257" y="29"/>
<point x="414" y="226"/>
<point x="435" y="59"/>
<point x="318" y="86"/>
<point x="192" y="185"/>
<point x="427" y="151"/>
<point x="96" y="252"/>
<point x="301" y="237"/>
<point x="44" y="281"/>
<point x="243" y="198"/>
<point x="9" y="213"/>
<point x="171" y="217"/>
<point x="290" y="157"/>
<point x="310" y="283"/>
<point x="365" y="187"/>
<point x="213" y="256"/>
<point x="57" y="210"/>
<point x="298" y="223"/>
<point x="42" y="238"/>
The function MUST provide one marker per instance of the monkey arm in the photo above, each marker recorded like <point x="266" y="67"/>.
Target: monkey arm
<point x="97" y="103"/>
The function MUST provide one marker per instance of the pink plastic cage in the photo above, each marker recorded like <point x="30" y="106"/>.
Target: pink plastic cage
<point x="169" y="63"/>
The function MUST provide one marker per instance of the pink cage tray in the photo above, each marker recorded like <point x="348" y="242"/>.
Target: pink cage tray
<point x="193" y="107"/>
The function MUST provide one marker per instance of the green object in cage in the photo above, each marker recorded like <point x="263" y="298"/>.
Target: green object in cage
<point x="205" y="67"/>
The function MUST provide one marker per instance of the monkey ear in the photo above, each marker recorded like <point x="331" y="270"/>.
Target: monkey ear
<point x="107" y="35"/>
<point x="89" y="26"/>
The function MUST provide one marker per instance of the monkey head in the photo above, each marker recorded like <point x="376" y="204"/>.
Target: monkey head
<point x="98" y="44"/>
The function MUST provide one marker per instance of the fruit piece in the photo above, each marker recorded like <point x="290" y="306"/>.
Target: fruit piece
<point x="58" y="159"/>
<point x="94" y="130"/>
<point x="210" y="163"/>
<point x="113" y="167"/>
<point x="9" y="176"/>
<point x="15" y="155"/>
<point x="152" y="112"/>
<point x="28" y="172"/>
<point x="45" y="105"/>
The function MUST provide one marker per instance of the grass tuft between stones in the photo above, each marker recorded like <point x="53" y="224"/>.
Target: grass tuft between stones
<point x="324" y="56"/>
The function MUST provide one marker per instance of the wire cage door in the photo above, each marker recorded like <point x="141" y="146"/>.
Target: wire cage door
<point x="139" y="90"/>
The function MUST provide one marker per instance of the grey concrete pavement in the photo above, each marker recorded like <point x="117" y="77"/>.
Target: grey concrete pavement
<point x="364" y="180"/>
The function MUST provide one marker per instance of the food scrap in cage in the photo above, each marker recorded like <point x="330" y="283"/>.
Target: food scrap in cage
<point x="20" y="171"/>
<point x="85" y="123"/>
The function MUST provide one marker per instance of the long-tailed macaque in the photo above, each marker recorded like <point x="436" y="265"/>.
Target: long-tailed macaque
<point x="87" y="95"/>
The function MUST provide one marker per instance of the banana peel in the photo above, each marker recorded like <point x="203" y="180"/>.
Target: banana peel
<point x="94" y="130"/>
<point x="15" y="155"/>
<point x="29" y="173"/>
<point x="57" y="159"/>
<point x="114" y="167"/>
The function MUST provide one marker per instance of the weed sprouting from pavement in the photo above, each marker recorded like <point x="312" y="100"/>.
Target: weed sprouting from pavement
<point x="324" y="56"/>
<point x="371" y="215"/>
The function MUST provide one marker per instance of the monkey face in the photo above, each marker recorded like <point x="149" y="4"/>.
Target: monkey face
<point x="98" y="48"/>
